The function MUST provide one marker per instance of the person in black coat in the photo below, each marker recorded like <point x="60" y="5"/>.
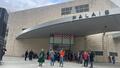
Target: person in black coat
<point x="113" y="59"/>
<point x="31" y="55"/>
<point x="2" y="52"/>
<point x="26" y="55"/>
<point x="92" y="55"/>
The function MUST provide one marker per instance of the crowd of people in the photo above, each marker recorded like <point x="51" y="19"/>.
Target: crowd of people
<point x="60" y="56"/>
<point x="81" y="57"/>
<point x="52" y="56"/>
<point x="30" y="55"/>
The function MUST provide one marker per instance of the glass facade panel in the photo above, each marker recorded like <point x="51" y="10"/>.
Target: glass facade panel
<point x="82" y="8"/>
<point x="66" y="11"/>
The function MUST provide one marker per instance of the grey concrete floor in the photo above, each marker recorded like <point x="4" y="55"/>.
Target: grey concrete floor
<point x="18" y="62"/>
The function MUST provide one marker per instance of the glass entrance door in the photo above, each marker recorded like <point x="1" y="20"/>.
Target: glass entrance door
<point x="59" y="47"/>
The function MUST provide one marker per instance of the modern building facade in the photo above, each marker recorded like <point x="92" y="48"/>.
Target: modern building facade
<point x="3" y="26"/>
<point x="71" y="25"/>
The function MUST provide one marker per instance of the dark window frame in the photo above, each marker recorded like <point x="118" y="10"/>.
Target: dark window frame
<point x="82" y="8"/>
<point x="113" y="54"/>
<point x="66" y="11"/>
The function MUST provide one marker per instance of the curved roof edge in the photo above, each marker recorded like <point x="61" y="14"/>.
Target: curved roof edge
<point x="66" y="19"/>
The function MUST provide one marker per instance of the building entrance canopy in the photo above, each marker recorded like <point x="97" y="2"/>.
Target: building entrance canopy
<point x="79" y="25"/>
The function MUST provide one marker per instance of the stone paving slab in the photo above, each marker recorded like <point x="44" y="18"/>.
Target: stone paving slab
<point x="16" y="62"/>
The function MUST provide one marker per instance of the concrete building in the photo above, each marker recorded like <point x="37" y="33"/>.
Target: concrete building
<point x="77" y="21"/>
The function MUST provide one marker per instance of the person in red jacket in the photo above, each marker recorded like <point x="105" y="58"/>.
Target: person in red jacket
<point x="62" y="53"/>
<point x="85" y="58"/>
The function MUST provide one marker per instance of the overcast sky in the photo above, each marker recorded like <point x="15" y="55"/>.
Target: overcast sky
<point x="16" y="5"/>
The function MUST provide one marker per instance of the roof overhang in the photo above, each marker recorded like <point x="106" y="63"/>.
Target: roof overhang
<point x="78" y="27"/>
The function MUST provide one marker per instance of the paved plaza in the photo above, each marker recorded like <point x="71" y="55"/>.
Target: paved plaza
<point x="13" y="62"/>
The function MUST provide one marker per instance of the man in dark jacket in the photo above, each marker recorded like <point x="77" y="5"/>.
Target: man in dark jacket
<point x="113" y="59"/>
<point x="31" y="55"/>
<point x="26" y="55"/>
<point x="92" y="55"/>
<point x="2" y="52"/>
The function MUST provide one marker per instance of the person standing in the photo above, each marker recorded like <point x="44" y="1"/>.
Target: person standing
<point x="113" y="59"/>
<point x="26" y="55"/>
<point x="81" y="58"/>
<point x="48" y="56"/>
<point x="41" y="58"/>
<point x="109" y="58"/>
<point x="78" y="57"/>
<point x="31" y="55"/>
<point x="52" y="57"/>
<point x="2" y="52"/>
<point x="62" y="53"/>
<point x="92" y="55"/>
<point x="85" y="58"/>
<point x="58" y="56"/>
